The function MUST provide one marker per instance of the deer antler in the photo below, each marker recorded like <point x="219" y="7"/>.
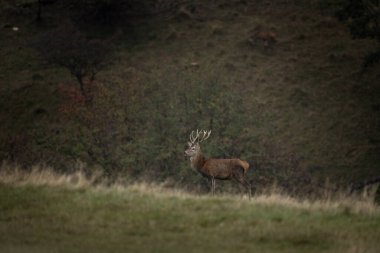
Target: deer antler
<point x="206" y="135"/>
<point x="192" y="138"/>
<point x="199" y="136"/>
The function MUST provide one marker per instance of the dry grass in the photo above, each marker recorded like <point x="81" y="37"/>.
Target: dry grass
<point x="39" y="175"/>
<point x="44" y="211"/>
<point x="353" y="204"/>
<point x="45" y="176"/>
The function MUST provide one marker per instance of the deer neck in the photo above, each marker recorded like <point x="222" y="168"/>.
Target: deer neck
<point x="197" y="161"/>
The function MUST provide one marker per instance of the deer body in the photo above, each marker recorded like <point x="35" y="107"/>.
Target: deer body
<point x="222" y="169"/>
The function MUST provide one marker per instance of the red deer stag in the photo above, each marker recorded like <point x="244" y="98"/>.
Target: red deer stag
<point x="212" y="168"/>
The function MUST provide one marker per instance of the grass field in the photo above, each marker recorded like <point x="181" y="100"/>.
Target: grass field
<point x="45" y="212"/>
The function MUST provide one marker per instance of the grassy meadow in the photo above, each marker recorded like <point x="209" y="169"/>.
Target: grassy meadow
<point x="42" y="211"/>
<point x="301" y="113"/>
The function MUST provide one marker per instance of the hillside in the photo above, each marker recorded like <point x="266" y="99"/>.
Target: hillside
<point x="45" y="212"/>
<point x="298" y="112"/>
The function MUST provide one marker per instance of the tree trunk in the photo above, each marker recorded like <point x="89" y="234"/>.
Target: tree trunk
<point x="81" y="85"/>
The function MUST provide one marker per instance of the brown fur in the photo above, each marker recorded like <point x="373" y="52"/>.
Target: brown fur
<point x="223" y="169"/>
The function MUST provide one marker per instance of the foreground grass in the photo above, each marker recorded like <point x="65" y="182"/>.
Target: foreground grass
<point x="43" y="213"/>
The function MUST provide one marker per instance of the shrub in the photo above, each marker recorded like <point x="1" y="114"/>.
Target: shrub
<point x="363" y="19"/>
<point x="67" y="47"/>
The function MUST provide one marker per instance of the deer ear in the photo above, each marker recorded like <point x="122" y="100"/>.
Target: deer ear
<point x="189" y="143"/>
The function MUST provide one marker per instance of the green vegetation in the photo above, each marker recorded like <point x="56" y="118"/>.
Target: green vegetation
<point x="298" y="112"/>
<point x="46" y="212"/>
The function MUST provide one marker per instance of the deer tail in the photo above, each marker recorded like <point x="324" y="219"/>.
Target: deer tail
<point x="245" y="165"/>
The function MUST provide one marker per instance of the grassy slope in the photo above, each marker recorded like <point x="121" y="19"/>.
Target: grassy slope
<point x="305" y="86"/>
<point x="312" y="104"/>
<point x="143" y="219"/>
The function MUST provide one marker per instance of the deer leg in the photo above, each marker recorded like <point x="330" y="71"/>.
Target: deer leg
<point x="248" y="186"/>
<point x="209" y="180"/>
<point x="213" y="185"/>
<point x="239" y="177"/>
<point x="241" y="187"/>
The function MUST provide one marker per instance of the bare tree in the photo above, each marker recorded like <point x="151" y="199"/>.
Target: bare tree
<point x="67" y="47"/>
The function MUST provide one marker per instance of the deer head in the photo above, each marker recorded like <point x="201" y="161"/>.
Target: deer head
<point x="195" y="139"/>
